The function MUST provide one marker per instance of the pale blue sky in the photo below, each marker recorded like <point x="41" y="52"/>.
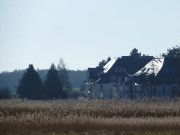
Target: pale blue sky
<point x="83" y="32"/>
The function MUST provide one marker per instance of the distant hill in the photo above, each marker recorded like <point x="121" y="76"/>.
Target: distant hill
<point x="11" y="79"/>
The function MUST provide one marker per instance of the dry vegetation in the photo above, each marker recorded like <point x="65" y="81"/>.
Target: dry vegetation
<point x="92" y="116"/>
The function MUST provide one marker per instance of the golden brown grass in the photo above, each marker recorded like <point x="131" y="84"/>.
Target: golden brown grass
<point x="92" y="116"/>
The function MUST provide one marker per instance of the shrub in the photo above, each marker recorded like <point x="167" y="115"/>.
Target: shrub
<point x="5" y="93"/>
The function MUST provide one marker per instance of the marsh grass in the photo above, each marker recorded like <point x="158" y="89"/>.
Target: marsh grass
<point x="151" y="116"/>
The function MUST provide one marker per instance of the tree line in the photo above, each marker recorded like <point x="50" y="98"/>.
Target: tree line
<point x="55" y="86"/>
<point x="171" y="52"/>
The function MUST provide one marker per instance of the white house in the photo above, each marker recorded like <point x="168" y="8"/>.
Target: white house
<point x="134" y="77"/>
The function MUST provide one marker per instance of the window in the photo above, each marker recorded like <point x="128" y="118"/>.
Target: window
<point x="120" y="69"/>
<point x="101" y="91"/>
<point x="115" y="92"/>
<point x="116" y="69"/>
<point x="113" y="78"/>
<point x="115" y="88"/>
<point x="164" y="89"/>
<point x="124" y="69"/>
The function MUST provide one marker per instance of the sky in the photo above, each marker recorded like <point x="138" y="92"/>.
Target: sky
<point x="84" y="32"/>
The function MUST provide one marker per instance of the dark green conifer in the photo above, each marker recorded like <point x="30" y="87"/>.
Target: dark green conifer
<point x="30" y="86"/>
<point x="53" y="85"/>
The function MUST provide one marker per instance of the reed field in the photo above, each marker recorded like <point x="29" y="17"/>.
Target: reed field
<point x="78" y="117"/>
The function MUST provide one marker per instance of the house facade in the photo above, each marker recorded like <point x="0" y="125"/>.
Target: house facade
<point x="134" y="77"/>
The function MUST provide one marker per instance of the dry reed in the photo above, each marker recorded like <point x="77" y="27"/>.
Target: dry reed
<point x="59" y="116"/>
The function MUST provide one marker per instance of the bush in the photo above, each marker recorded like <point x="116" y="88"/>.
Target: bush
<point x="5" y="93"/>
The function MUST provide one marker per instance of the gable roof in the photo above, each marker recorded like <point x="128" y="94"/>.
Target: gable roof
<point x="153" y="67"/>
<point x="129" y="64"/>
<point x="108" y="66"/>
<point x="164" y="71"/>
<point x="123" y="67"/>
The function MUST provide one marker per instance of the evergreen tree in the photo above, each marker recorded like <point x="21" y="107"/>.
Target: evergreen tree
<point x="108" y="59"/>
<point x="53" y="85"/>
<point x="104" y="62"/>
<point x="30" y="86"/>
<point x="174" y="52"/>
<point x="64" y="77"/>
<point x="134" y="53"/>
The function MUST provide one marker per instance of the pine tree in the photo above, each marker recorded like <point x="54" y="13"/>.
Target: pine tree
<point x="53" y="85"/>
<point x="30" y="86"/>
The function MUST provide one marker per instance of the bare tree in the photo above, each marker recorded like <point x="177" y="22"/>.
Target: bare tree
<point x="63" y="74"/>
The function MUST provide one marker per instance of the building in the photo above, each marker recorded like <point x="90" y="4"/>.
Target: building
<point x="134" y="77"/>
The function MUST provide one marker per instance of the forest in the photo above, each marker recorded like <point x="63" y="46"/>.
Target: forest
<point x="9" y="80"/>
<point x="19" y="81"/>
